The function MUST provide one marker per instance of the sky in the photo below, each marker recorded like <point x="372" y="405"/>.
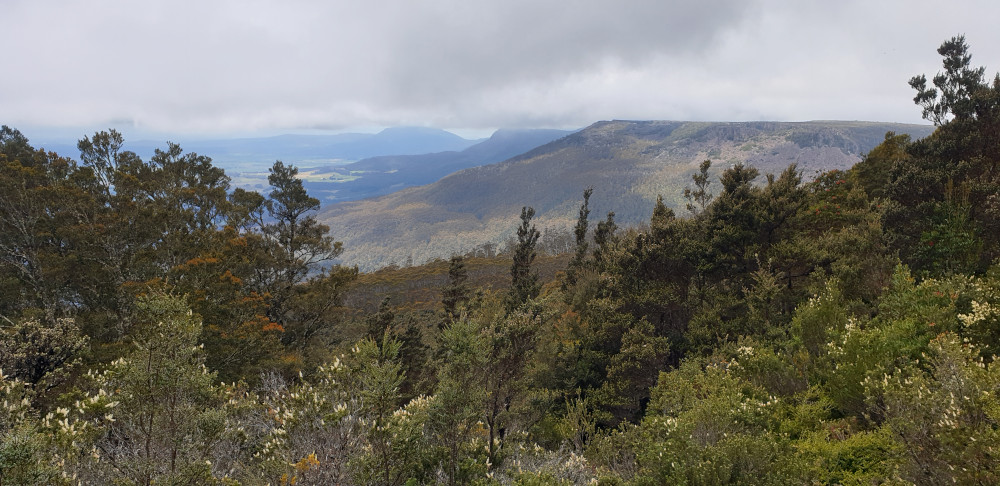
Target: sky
<point x="244" y="67"/>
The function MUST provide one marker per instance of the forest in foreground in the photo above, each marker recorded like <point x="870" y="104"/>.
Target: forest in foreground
<point x="159" y="326"/>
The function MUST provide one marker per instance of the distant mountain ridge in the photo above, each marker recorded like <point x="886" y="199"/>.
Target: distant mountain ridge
<point x="628" y="163"/>
<point x="349" y="166"/>
<point x="297" y="149"/>
<point x="381" y="175"/>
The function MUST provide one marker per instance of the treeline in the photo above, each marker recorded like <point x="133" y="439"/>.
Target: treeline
<point x="160" y="327"/>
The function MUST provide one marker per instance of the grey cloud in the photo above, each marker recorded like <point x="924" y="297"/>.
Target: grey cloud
<point x="448" y="48"/>
<point x="197" y="66"/>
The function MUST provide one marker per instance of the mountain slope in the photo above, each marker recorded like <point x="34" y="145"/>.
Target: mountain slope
<point x="376" y="176"/>
<point x="628" y="163"/>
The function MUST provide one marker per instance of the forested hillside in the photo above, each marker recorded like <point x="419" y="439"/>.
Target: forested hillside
<point x="161" y="327"/>
<point x="628" y="163"/>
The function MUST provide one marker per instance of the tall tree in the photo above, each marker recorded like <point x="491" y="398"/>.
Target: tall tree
<point x="524" y="284"/>
<point x="699" y="197"/>
<point x="734" y="222"/>
<point x="955" y="88"/>
<point x="510" y="340"/>
<point x="580" y="232"/>
<point x="380" y="323"/>
<point x="604" y="235"/>
<point x="946" y="197"/>
<point x="663" y="217"/>
<point x="300" y="242"/>
<point x="189" y="202"/>
<point x="297" y="244"/>
<point x="456" y="292"/>
<point x="123" y="240"/>
<point x="41" y="208"/>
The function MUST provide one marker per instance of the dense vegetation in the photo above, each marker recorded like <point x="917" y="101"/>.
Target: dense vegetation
<point x="160" y="327"/>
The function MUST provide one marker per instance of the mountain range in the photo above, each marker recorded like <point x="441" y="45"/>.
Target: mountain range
<point x="628" y="163"/>
<point x="348" y="166"/>
<point x="258" y="153"/>
<point x="384" y="174"/>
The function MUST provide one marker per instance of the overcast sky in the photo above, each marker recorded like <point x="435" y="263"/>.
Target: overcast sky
<point x="247" y="66"/>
